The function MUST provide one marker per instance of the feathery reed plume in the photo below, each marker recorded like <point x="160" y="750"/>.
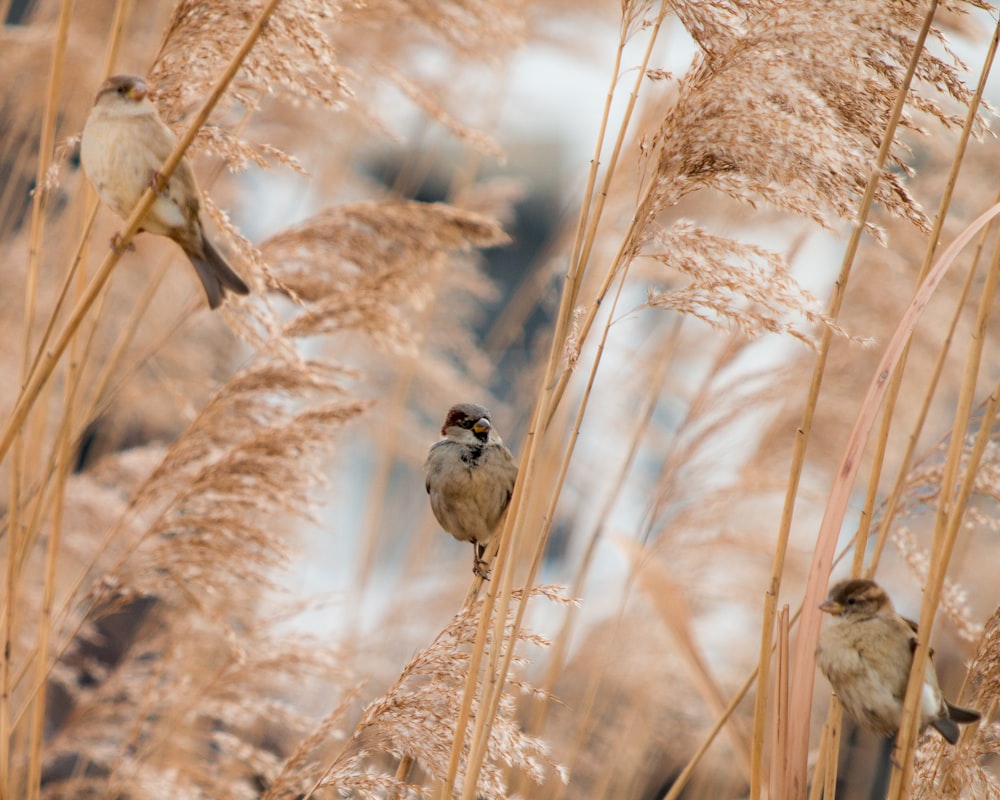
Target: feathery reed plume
<point x="211" y="513"/>
<point x="473" y="29"/>
<point x="416" y="717"/>
<point x="804" y="146"/>
<point x="721" y="270"/>
<point x="807" y="143"/>
<point x="941" y="771"/>
<point x="372" y="266"/>
<point x="248" y="456"/>
<point x="293" y="60"/>
<point x="911" y="526"/>
<point x="146" y="723"/>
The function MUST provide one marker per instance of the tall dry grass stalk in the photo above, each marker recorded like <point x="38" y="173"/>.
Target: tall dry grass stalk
<point x="221" y="579"/>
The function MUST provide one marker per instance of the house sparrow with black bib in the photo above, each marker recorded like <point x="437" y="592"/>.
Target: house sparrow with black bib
<point x="470" y="476"/>
<point x="866" y="652"/>
<point x="123" y="146"/>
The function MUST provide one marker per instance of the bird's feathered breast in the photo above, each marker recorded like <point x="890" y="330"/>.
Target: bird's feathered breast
<point x="123" y="146"/>
<point x="469" y="486"/>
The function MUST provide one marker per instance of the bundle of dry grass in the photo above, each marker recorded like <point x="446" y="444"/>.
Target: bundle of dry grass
<point x="163" y="470"/>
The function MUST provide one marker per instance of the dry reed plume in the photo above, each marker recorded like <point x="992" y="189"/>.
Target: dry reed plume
<point x="692" y="391"/>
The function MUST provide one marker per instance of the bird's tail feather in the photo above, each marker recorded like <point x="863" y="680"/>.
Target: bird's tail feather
<point x="215" y="273"/>
<point x="960" y="714"/>
<point x="947" y="728"/>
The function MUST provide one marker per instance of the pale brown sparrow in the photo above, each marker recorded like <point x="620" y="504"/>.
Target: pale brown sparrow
<point x="123" y="146"/>
<point x="866" y="652"/>
<point x="470" y="476"/>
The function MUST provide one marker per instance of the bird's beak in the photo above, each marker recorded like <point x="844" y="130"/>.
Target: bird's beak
<point x="831" y="607"/>
<point x="482" y="426"/>
<point x="138" y="91"/>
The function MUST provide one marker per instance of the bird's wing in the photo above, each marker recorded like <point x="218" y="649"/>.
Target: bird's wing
<point x="182" y="186"/>
<point x="913" y="639"/>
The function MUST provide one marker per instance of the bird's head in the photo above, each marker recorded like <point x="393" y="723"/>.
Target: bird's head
<point x="122" y="88"/>
<point x="468" y="423"/>
<point x="857" y="598"/>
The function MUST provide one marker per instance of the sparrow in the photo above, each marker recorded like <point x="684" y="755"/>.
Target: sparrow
<point x="866" y="652"/>
<point x="469" y="475"/>
<point x="123" y="146"/>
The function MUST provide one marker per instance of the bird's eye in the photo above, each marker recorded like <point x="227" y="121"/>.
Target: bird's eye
<point x="467" y="423"/>
<point x="852" y="601"/>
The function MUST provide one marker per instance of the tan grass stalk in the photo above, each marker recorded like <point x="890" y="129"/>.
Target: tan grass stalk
<point x="491" y="684"/>
<point x="74" y="374"/>
<point x="588" y="701"/>
<point x="685" y="775"/>
<point x="803" y="432"/>
<point x="65" y="445"/>
<point x="901" y="780"/>
<point x="17" y="465"/>
<point x="43" y="492"/>
<point x="46" y="147"/>
<point x="822" y="561"/>
<point x="514" y="522"/>
<point x="595" y="164"/>
<point x="495" y="677"/>
<point x="816" y="790"/>
<point x="557" y="656"/>
<point x="65" y="436"/>
<point x="618" y="261"/>
<point x="950" y="512"/>
<point x="892" y="502"/>
<point x="10" y="598"/>
<point x="834" y="727"/>
<point x="497" y="674"/>
<point x="552" y="395"/>
<point x="780" y="694"/>
<point x="8" y="194"/>
<point x="668" y="601"/>
<point x="40" y="376"/>
<point x="581" y="251"/>
<point x="403" y="769"/>
<point x="478" y="744"/>
<point x="110" y="368"/>
<point x="897" y="377"/>
<point x="50" y="491"/>
<point x="118" y="22"/>
<point x="78" y="257"/>
<point x="471" y="683"/>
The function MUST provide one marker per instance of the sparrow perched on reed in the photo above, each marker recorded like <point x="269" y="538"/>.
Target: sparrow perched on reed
<point x="123" y="146"/>
<point x="470" y="476"/>
<point x="866" y="652"/>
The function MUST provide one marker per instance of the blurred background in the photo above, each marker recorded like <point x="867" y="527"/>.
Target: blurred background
<point x="666" y="526"/>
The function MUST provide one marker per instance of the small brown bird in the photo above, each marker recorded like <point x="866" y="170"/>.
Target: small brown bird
<point x="866" y="653"/>
<point x="470" y="476"/>
<point x="123" y="146"/>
